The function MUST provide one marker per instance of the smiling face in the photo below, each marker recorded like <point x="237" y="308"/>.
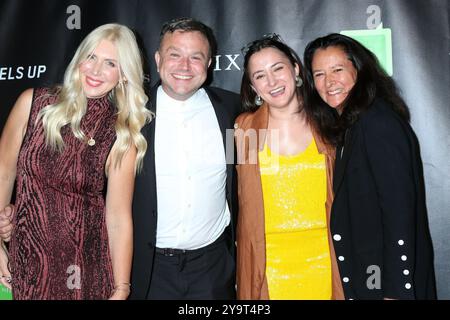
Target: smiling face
<point x="334" y="75"/>
<point x="272" y="76"/>
<point x="183" y="60"/>
<point x="100" y="71"/>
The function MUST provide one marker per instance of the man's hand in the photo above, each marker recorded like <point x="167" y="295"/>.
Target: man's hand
<point x="6" y="216"/>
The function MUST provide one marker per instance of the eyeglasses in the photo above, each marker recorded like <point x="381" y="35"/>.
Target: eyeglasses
<point x="267" y="36"/>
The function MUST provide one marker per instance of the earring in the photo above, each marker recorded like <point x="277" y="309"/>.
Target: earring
<point x="298" y="81"/>
<point x="258" y="101"/>
<point x="123" y="83"/>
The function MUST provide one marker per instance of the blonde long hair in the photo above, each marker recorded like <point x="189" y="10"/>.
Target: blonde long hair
<point x="128" y="96"/>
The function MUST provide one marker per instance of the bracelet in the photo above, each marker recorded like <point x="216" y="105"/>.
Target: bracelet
<point x="117" y="287"/>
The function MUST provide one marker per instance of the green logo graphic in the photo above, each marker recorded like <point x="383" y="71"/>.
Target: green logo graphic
<point x="5" y="293"/>
<point x="379" y="41"/>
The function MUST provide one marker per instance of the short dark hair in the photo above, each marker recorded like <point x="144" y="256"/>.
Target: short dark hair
<point x="273" y="40"/>
<point x="190" y="25"/>
<point x="371" y="82"/>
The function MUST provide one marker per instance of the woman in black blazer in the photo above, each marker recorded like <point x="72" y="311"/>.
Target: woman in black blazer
<point x="379" y="220"/>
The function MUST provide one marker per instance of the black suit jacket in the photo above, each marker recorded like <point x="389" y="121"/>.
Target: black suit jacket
<point x="379" y="219"/>
<point x="226" y="105"/>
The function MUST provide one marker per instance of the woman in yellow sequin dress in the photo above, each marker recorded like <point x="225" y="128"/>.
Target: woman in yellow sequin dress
<point x="284" y="182"/>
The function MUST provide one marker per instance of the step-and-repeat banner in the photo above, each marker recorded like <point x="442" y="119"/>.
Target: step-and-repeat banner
<point x="411" y="38"/>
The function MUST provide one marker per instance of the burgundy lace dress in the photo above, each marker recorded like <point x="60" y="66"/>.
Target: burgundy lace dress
<point x="59" y="246"/>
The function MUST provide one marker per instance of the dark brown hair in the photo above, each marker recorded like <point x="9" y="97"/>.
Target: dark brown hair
<point x="371" y="82"/>
<point x="190" y="25"/>
<point x="268" y="41"/>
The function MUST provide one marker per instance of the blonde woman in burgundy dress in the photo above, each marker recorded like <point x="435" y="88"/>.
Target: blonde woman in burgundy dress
<point x="73" y="151"/>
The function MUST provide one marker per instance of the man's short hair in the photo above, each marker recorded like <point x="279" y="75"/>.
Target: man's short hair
<point x="189" y="25"/>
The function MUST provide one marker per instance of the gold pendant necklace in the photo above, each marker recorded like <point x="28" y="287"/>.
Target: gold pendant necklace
<point x="91" y="142"/>
<point x="90" y="137"/>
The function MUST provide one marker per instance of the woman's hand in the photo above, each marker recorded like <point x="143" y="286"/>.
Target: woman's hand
<point x="5" y="275"/>
<point x="120" y="294"/>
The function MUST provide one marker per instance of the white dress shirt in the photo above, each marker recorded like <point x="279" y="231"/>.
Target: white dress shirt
<point x="190" y="173"/>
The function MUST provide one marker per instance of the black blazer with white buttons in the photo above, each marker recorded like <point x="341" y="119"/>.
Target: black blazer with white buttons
<point x="226" y="105"/>
<point x="379" y="219"/>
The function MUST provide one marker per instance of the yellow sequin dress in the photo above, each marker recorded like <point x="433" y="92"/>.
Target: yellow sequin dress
<point x="298" y="264"/>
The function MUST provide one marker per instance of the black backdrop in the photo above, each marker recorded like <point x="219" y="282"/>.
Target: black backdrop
<point x="39" y="37"/>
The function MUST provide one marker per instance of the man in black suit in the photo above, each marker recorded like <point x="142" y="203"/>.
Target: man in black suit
<point x="184" y="205"/>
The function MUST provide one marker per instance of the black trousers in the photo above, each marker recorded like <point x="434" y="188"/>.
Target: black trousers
<point x="207" y="274"/>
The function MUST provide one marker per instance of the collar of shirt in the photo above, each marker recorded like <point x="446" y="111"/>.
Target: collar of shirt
<point x="167" y="104"/>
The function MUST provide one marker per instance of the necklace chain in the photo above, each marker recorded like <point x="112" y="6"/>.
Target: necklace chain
<point x="90" y="137"/>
